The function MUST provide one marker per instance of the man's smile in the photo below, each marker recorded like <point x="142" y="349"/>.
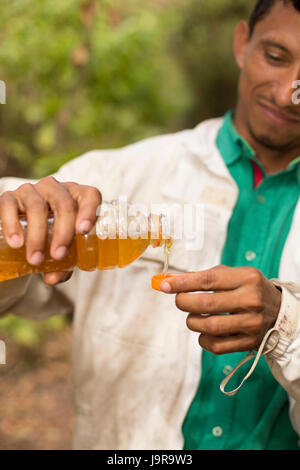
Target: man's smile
<point x="276" y="116"/>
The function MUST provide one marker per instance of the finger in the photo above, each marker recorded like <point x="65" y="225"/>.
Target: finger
<point x="65" y="209"/>
<point x="214" y="279"/>
<point x="219" y="302"/>
<point x="226" y="345"/>
<point x="88" y="199"/>
<point x="36" y="210"/>
<point x="57" y="277"/>
<point x="221" y="325"/>
<point x="9" y="215"/>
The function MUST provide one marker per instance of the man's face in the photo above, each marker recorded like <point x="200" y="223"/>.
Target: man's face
<point x="270" y="64"/>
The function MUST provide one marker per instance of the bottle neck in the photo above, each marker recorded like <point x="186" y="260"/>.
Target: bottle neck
<point x="158" y="230"/>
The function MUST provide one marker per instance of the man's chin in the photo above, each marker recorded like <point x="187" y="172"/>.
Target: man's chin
<point x="272" y="142"/>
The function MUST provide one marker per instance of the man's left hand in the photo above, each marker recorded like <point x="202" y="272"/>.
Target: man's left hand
<point x="251" y="299"/>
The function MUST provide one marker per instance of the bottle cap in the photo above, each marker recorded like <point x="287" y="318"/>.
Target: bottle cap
<point x="157" y="280"/>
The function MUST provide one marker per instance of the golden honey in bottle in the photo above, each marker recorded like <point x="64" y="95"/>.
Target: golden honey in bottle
<point x="118" y="238"/>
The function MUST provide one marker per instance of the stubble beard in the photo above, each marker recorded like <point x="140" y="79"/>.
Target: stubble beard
<point x="270" y="144"/>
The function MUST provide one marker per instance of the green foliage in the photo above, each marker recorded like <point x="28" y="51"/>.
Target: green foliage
<point x="204" y="47"/>
<point x="81" y="75"/>
<point x="30" y="333"/>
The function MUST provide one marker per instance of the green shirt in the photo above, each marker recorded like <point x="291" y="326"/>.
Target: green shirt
<point x="257" y="417"/>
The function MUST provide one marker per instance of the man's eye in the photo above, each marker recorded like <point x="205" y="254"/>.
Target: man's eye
<point x="273" y="58"/>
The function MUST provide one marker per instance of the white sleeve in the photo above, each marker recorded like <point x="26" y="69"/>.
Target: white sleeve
<point x="284" y="359"/>
<point x="30" y="297"/>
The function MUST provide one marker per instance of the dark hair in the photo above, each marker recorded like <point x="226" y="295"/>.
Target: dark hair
<point x="263" y="7"/>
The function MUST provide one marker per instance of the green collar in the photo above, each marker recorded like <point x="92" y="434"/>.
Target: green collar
<point x="237" y="147"/>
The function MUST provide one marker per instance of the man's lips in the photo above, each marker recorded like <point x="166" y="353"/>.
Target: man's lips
<point x="278" y="117"/>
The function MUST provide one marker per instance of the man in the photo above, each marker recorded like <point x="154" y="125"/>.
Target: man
<point x="136" y="366"/>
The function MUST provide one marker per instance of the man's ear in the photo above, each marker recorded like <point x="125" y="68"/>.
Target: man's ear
<point x="241" y="41"/>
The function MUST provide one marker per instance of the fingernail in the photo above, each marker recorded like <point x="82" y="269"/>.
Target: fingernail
<point x="85" y="226"/>
<point x="36" y="258"/>
<point x="165" y="287"/>
<point x="61" y="252"/>
<point x="15" y="241"/>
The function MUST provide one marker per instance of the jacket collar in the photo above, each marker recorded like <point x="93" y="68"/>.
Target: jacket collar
<point x="188" y="177"/>
<point x="201" y="142"/>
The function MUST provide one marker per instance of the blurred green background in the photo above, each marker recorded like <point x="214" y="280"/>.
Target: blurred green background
<point x="83" y="74"/>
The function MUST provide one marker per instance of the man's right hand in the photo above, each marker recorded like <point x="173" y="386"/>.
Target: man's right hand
<point x="74" y="207"/>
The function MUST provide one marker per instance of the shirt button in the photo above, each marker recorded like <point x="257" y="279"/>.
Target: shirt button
<point x="217" y="431"/>
<point x="250" y="255"/>
<point x="261" y="199"/>
<point x="227" y="370"/>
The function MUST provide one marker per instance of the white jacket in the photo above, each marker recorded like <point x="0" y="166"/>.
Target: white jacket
<point x="136" y="365"/>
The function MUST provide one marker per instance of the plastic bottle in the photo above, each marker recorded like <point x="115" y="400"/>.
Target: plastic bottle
<point x="119" y="237"/>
